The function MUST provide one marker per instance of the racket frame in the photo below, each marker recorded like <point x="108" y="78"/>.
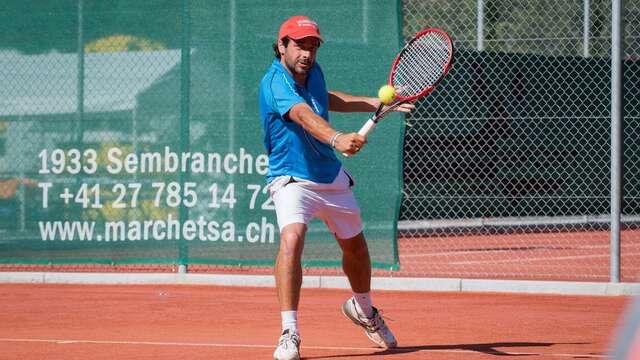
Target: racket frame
<point x="396" y="61"/>
<point x="383" y="111"/>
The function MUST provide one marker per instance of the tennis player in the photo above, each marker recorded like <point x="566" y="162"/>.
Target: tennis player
<point x="306" y="179"/>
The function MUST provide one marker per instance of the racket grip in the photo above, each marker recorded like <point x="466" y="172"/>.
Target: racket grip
<point x="367" y="127"/>
<point x="365" y="130"/>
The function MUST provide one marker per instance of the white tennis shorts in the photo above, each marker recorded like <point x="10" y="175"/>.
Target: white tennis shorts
<point x="299" y="201"/>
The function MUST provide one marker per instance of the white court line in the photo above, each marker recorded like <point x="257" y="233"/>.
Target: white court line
<point x="516" y="248"/>
<point x="548" y="258"/>
<point x="400" y="350"/>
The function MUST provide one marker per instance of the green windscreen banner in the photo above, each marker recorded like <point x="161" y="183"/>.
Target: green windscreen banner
<point x="131" y="133"/>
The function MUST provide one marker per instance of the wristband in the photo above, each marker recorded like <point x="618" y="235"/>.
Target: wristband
<point x="332" y="142"/>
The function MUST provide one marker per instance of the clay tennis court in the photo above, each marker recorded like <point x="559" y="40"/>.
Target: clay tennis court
<point x="209" y="322"/>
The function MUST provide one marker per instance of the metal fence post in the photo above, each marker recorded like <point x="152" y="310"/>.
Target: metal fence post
<point x="480" y="26"/>
<point x="185" y="92"/>
<point x="80" y="76"/>
<point x="616" y="136"/>
<point x="586" y="25"/>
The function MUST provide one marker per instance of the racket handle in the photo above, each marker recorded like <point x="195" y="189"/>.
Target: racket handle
<point x="367" y="127"/>
<point x="365" y="130"/>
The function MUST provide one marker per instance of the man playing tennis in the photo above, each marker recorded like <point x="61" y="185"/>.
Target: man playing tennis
<point x="306" y="179"/>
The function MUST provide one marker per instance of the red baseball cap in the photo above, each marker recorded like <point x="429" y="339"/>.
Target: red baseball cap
<point x="298" y="27"/>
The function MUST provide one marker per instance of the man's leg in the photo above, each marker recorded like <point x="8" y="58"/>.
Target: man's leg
<point x="288" y="273"/>
<point x="288" y="270"/>
<point x="356" y="264"/>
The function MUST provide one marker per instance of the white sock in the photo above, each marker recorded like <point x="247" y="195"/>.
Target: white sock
<point x="363" y="303"/>
<point x="289" y="320"/>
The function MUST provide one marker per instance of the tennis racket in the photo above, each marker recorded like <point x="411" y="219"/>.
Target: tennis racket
<point x="419" y="66"/>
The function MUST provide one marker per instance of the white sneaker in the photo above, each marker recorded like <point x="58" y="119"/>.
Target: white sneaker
<point x="288" y="346"/>
<point x="375" y="328"/>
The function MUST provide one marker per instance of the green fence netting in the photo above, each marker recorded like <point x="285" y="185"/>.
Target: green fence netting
<point x="145" y="145"/>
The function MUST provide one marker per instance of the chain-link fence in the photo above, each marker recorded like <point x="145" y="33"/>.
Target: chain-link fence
<point x="507" y="165"/>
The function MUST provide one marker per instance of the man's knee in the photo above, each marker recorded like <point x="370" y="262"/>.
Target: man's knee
<point x="355" y="246"/>
<point x="292" y="241"/>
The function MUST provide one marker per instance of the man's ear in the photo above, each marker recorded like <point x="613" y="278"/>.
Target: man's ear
<point x="281" y="47"/>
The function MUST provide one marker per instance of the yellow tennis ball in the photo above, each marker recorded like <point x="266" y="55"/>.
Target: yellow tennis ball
<point x="386" y="94"/>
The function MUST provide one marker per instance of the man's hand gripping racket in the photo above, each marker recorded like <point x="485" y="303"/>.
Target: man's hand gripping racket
<point x="419" y="66"/>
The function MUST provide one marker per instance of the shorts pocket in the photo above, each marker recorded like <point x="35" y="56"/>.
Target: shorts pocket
<point x="351" y="180"/>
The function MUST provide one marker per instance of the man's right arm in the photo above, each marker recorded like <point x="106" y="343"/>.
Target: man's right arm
<point x="319" y="128"/>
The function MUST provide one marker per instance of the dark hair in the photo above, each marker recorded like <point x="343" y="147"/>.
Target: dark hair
<point x="285" y="42"/>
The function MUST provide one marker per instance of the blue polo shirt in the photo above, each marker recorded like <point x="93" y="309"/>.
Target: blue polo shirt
<point x="292" y="150"/>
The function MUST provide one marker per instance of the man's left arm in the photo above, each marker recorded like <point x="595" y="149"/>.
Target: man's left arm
<point x="343" y="102"/>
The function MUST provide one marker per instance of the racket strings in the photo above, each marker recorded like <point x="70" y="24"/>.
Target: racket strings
<point x="421" y="64"/>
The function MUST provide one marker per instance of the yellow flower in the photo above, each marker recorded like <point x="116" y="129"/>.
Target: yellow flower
<point x="122" y="43"/>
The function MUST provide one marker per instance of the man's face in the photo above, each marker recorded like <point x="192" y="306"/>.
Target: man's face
<point x="299" y="55"/>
